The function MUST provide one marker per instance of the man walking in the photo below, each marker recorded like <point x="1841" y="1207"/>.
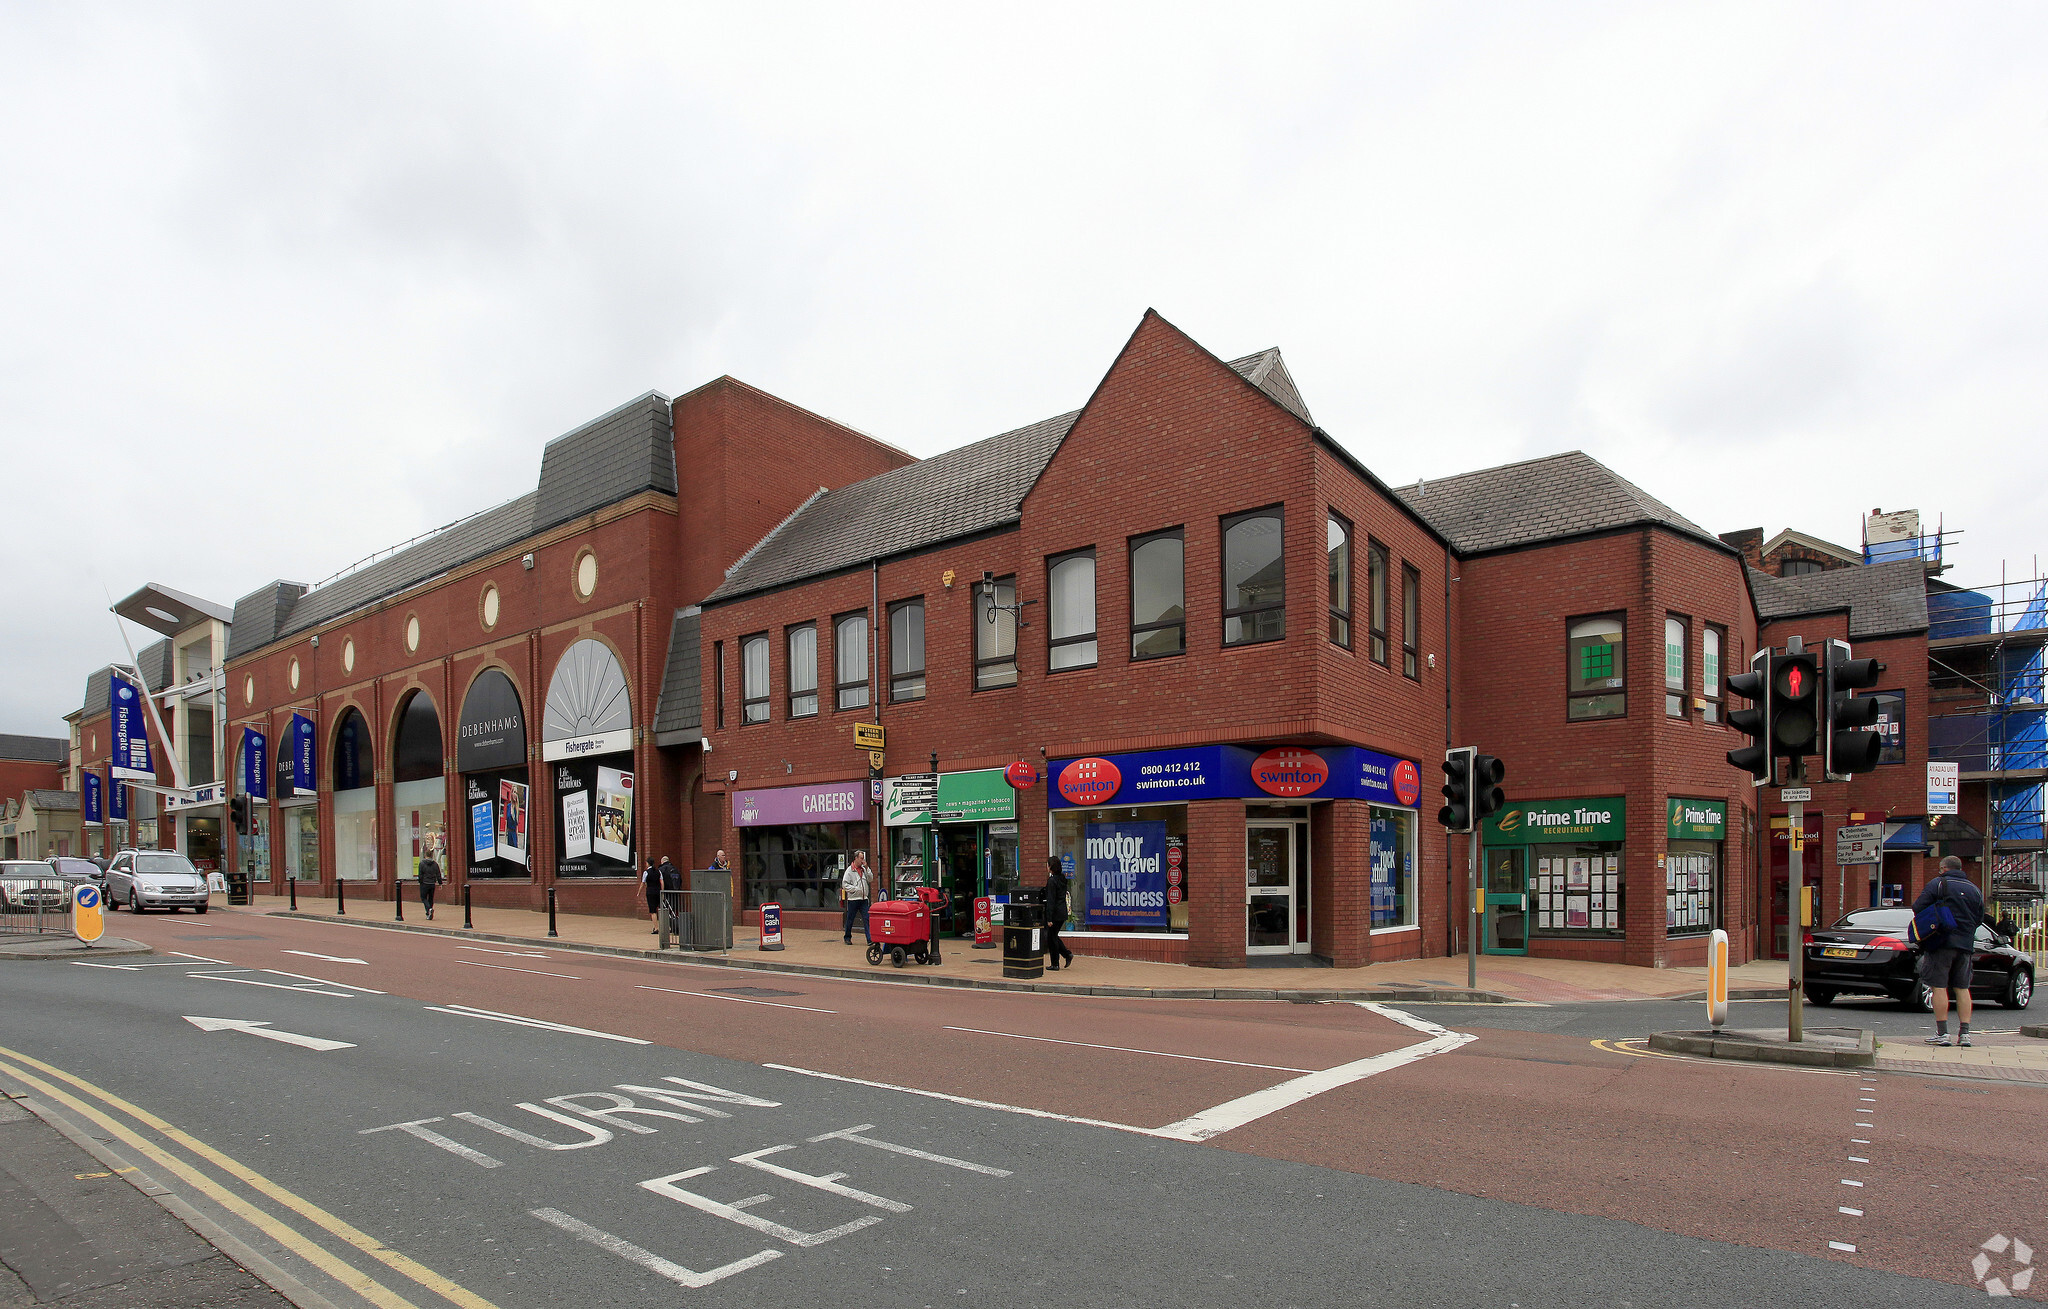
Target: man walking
<point x="857" y="887"/>
<point x="1947" y="914"/>
<point x="430" y="881"/>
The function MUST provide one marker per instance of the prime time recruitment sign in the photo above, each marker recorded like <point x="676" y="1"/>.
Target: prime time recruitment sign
<point x="1541" y="822"/>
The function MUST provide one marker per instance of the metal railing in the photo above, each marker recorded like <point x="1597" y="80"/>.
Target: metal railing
<point x="32" y="905"/>
<point x="696" y="920"/>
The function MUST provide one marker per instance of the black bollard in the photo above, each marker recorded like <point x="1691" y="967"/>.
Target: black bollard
<point x="340" y="900"/>
<point x="551" y="913"/>
<point x="465" y="905"/>
<point x="295" y="894"/>
<point x="398" y="898"/>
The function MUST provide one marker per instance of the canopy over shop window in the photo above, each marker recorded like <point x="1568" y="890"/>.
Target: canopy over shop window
<point x="588" y="696"/>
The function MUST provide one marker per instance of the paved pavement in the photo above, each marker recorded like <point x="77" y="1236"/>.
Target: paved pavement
<point x="1508" y="977"/>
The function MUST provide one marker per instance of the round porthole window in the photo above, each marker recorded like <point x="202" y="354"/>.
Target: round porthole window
<point x="586" y="574"/>
<point x="348" y="655"/>
<point x="248" y="690"/>
<point x="412" y="632"/>
<point x="295" y="674"/>
<point x="490" y="606"/>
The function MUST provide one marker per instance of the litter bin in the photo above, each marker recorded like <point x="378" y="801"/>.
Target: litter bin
<point x="1024" y="935"/>
<point x="238" y="888"/>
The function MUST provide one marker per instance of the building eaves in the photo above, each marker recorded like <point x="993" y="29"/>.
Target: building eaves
<point x="34" y="749"/>
<point x="1555" y="497"/>
<point x="1885" y="599"/>
<point x="1841" y="552"/>
<point x="52" y="801"/>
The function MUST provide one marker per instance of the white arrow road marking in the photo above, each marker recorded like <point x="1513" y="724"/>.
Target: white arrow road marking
<point x="492" y="1015"/>
<point x="330" y="958"/>
<point x="261" y="1027"/>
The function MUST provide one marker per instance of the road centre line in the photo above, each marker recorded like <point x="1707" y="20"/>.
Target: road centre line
<point x="1163" y="1054"/>
<point x="507" y="968"/>
<point x="523" y="954"/>
<point x="971" y="1103"/>
<point x="702" y="995"/>
<point x="270" y="1225"/>
<point x="492" y="1015"/>
<point x="330" y="958"/>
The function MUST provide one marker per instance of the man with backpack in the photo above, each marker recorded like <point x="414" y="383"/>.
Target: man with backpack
<point x="1945" y="918"/>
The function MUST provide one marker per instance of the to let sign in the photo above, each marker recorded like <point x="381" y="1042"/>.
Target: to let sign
<point x="1944" y="782"/>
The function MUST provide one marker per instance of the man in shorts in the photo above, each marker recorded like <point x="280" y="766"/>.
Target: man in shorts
<point x="1947" y="957"/>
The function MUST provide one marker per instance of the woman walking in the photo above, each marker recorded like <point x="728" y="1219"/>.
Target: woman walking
<point x="430" y="881"/>
<point x="650" y="883"/>
<point x="1055" y="915"/>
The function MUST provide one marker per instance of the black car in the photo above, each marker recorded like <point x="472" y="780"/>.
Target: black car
<point x="75" y="870"/>
<point x="1867" y="953"/>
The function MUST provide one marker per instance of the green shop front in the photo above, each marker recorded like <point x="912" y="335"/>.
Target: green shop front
<point x="966" y="844"/>
<point x="1554" y="870"/>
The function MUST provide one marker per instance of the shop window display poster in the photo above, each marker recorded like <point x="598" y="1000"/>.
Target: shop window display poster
<point x="1126" y="868"/>
<point x="614" y="813"/>
<point x="512" y="820"/>
<point x="484" y="833"/>
<point x="576" y="824"/>
<point x="1575" y="912"/>
<point x="1577" y="874"/>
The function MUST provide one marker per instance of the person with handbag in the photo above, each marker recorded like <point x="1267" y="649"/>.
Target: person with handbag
<point x="1945" y="920"/>
<point x="1056" y="888"/>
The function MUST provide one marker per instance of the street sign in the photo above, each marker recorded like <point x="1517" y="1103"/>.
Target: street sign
<point x="918" y="792"/>
<point x="88" y="923"/>
<point x="874" y="759"/>
<point x="1796" y="793"/>
<point x="1944" y="781"/>
<point x="1862" y="843"/>
<point x="869" y="736"/>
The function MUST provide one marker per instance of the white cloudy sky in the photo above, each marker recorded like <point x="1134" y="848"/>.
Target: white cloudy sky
<point x="282" y="284"/>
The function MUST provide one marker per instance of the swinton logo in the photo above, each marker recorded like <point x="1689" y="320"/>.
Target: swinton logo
<point x="1290" y="772"/>
<point x="1089" y="781"/>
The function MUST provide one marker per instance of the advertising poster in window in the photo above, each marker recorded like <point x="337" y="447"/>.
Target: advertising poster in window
<point x="1126" y="869"/>
<point x="483" y="832"/>
<point x="512" y="820"/>
<point x="576" y="824"/>
<point x="1386" y="855"/>
<point x="614" y="814"/>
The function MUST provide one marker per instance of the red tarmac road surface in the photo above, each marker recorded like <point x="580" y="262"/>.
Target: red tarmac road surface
<point x="1749" y="1154"/>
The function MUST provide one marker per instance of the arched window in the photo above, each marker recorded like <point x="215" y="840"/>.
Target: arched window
<point x="355" y="800"/>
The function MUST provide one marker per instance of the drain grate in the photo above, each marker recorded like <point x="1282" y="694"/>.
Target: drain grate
<point x="752" y="990"/>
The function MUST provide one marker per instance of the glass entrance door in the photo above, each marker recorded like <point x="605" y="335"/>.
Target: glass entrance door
<point x="1269" y="888"/>
<point x="1507" y="902"/>
<point x="959" y="871"/>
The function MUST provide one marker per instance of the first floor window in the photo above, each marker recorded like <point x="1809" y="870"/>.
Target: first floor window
<point x="906" y="650"/>
<point x="1158" y="596"/>
<point x="995" y="633"/>
<point x="850" y="660"/>
<point x="1376" y="598"/>
<point x="803" y="671"/>
<point x="1595" y="669"/>
<point x="1070" y="584"/>
<point x="718" y="683"/>
<point x="1710" y="671"/>
<point x="1254" y="578"/>
<point x="754" y="679"/>
<point x="1675" y="641"/>
<point x="1411" y="621"/>
<point x="1340" y="581"/>
<point x="1393" y="867"/>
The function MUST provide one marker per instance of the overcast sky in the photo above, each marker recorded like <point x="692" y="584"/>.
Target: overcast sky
<point x="284" y="284"/>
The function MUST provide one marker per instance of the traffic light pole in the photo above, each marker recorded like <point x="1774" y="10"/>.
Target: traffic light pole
<point x="1473" y="920"/>
<point x="1795" y="937"/>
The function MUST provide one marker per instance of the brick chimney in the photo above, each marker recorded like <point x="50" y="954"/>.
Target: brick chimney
<point x="1751" y="542"/>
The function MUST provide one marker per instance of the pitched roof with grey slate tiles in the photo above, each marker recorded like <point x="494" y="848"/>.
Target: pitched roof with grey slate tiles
<point x="51" y="801"/>
<point x="679" y="715"/>
<point x="970" y="489"/>
<point x="34" y="749"/>
<point x="1882" y="599"/>
<point x="608" y="459"/>
<point x="1551" y="498"/>
<point x="261" y="615"/>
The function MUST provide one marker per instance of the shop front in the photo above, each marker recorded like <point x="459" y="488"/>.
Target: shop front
<point x="587" y="747"/>
<point x="355" y="800"/>
<point x="490" y="754"/>
<point x="198" y="820"/>
<point x="1124" y="828"/>
<point x="1695" y="844"/>
<point x="1554" y="871"/>
<point x="1781" y="873"/>
<point x="969" y="851"/>
<point x="419" y="792"/>
<point x="795" y="841"/>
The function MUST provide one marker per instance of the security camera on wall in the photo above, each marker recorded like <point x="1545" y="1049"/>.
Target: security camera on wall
<point x="705" y="744"/>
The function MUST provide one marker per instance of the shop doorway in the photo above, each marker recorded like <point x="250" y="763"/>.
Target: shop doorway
<point x="1506" y="888"/>
<point x="1271" y="924"/>
<point x="1781" y="875"/>
<point x="202" y="843"/>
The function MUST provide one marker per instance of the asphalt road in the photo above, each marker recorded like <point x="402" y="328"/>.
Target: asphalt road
<point x="1625" y="1019"/>
<point x="1525" y="1167"/>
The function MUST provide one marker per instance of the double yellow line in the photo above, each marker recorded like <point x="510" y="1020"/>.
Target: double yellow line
<point x="263" y="1220"/>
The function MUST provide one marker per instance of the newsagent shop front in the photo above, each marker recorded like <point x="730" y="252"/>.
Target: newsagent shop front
<point x="1219" y="854"/>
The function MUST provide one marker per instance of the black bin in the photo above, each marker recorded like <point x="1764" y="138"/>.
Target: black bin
<point x="1024" y="935"/>
<point x="238" y="888"/>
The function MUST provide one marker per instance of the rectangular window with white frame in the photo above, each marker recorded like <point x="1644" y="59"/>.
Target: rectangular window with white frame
<point x="754" y="679"/>
<point x="803" y="670"/>
<point x="1677" y="637"/>
<point x="995" y="633"/>
<point x="1411" y="621"/>
<point x="1712" y="639"/>
<point x="906" y="650"/>
<point x="1070" y="588"/>
<point x="850" y="660"/>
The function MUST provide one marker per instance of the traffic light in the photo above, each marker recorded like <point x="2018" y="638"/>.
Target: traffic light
<point x="1456" y="815"/>
<point x="1755" y="721"/>
<point x="1846" y="747"/>
<point x="1795" y="704"/>
<point x="238" y="809"/>
<point x="1487" y="797"/>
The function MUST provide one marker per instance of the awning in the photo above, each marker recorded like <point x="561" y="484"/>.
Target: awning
<point x="1906" y="836"/>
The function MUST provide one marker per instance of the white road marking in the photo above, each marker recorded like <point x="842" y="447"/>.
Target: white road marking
<point x="1025" y="1110"/>
<point x="828" y="1182"/>
<point x="736" y="1212"/>
<point x="523" y="954"/>
<point x="330" y="958"/>
<point x="1858" y="1159"/>
<point x="1857" y="1140"/>
<point x="204" y="959"/>
<point x="853" y="1134"/>
<point x="1847" y="1182"/>
<point x="703" y="995"/>
<point x="129" y="968"/>
<point x="492" y="1015"/>
<point x="1163" y="1054"/>
<point x="1866" y="1124"/>
<point x="614" y="1115"/>
<point x="323" y="981"/>
<point x="596" y="1135"/>
<point x="653" y="1263"/>
<point x="507" y="968"/>
<point x="1841" y="1245"/>
<point x="261" y="1027"/>
<point x="275" y="986"/>
<point x="1853" y="1213"/>
<point x="417" y="1127"/>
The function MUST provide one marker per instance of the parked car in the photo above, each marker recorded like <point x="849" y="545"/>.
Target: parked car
<point x="1868" y="953"/>
<point x="155" y="879"/>
<point x="75" y="870"/>
<point x="27" y="885"/>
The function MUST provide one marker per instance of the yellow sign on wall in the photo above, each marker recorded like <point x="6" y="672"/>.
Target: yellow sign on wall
<point x="868" y="736"/>
<point x="88" y="922"/>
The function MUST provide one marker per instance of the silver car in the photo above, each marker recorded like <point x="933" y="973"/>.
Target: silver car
<point x="155" y="879"/>
<point x="30" y="886"/>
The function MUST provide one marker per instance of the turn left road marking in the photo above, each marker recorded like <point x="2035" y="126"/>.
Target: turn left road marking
<point x="261" y="1027"/>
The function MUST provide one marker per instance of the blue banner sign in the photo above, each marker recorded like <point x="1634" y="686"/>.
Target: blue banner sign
<point x="128" y="720"/>
<point x="91" y="799"/>
<point x="304" y="734"/>
<point x="117" y="801"/>
<point x="255" y="765"/>
<point x="1225" y="772"/>
<point x="1126" y="865"/>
